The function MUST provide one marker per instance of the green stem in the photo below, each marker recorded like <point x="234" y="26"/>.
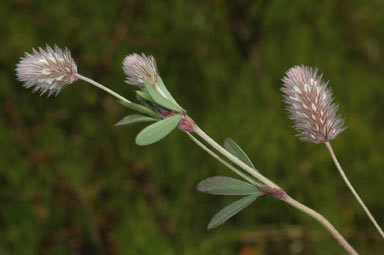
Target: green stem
<point x="235" y="160"/>
<point x="323" y="222"/>
<point x="338" y="166"/>
<point x="286" y="198"/>
<point x="249" y="170"/>
<point x="126" y="102"/>
<point x="222" y="161"/>
<point x="100" y="86"/>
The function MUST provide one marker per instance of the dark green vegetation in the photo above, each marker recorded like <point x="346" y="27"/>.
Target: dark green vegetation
<point x="71" y="183"/>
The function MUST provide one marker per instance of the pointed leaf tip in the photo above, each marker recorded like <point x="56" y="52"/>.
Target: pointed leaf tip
<point x="164" y="89"/>
<point x="134" y="118"/>
<point x="236" y="151"/>
<point x="221" y="185"/>
<point x="140" y="108"/>
<point x="158" y="130"/>
<point x="230" y="210"/>
<point x="160" y="98"/>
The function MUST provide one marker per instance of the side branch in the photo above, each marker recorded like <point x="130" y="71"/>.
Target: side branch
<point x="320" y="218"/>
<point x="370" y="216"/>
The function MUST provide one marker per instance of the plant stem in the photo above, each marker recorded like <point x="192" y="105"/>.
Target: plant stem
<point x="253" y="172"/>
<point x="126" y="102"/>
<point x="286" y="198"/>
<point x="323" y="221"/>
<point x="235" y="160"/>
<point x="217" y="157"/>
<point x="329" y="147"/>
<point x="100" y="86"/>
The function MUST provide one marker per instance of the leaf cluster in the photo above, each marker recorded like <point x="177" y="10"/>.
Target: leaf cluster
<point x="159" y="107"/>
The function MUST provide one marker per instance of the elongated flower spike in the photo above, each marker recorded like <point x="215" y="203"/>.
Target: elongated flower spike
<point x="139" y="68"/>
<point x="47" y="70"/>
<point x="310" y="104"/>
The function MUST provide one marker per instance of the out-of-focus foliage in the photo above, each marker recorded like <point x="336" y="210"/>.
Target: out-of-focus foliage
<point x="71" y="183"/>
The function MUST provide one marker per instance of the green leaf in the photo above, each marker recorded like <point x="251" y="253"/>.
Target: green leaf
<point x="160" y="99"/>
<point x="145" y="100"/>
<point x="134" y="118"/>
<point x="158" y="130"/>
<point x="230" y="210"/>
<point x="236" y="151"/>
<point x="144" y="95"/>
<point x="140" y="108"/>
<point x="221" y="185"/>
<point x="164" y="89"/>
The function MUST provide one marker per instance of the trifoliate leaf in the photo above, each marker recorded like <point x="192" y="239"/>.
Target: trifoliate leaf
<point x="230" y="210"/>
<point x="158" y="130"/>
<point x="221" y="185"/>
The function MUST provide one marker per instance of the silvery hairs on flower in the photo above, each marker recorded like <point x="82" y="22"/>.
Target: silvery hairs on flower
<point x="47" y="70"/>
<point x="310" y="104"/>
<point x="139" y="68"/>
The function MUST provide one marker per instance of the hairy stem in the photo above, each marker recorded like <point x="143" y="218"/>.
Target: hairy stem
<point x="222" y="161"/>
<point x="126" y="102"/>
<point x="235" y="160"/>
<point x="100" y="86"/>
<point x="331" y="229"/>
<point x="251" y="171"/>
<point x="284" y="197"/>
<point x="329" y="147"/>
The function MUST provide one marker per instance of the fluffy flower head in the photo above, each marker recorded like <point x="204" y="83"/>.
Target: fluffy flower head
<point x="310" y="104"/>
<point x="139" y="68"/>
<point x="47" y="70"/>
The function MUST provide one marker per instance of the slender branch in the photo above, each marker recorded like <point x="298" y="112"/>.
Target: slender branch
<point x="100" y="86"/>
<point x="323" y="222"/>
<point x="286" y="198"/>
<point x="222" y="161"/>
<point x="126" y="102"/>
<point x="249" y="170"/>
<point x="235" y="160"/>
<point x="329" y="147"/>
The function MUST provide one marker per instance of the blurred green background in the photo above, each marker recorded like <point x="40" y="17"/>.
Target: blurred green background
<point x="71" y="183"/>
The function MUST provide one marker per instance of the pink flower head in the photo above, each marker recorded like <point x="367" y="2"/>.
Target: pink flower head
<point x="47" y="70"/>
<point x="139" y="68"/>
<point x="310" y="105"/>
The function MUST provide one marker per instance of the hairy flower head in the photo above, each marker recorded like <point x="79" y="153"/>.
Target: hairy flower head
<point x="310" y="104"/>
<point x="139" y="68"/>
<point x="47" y="70"/>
